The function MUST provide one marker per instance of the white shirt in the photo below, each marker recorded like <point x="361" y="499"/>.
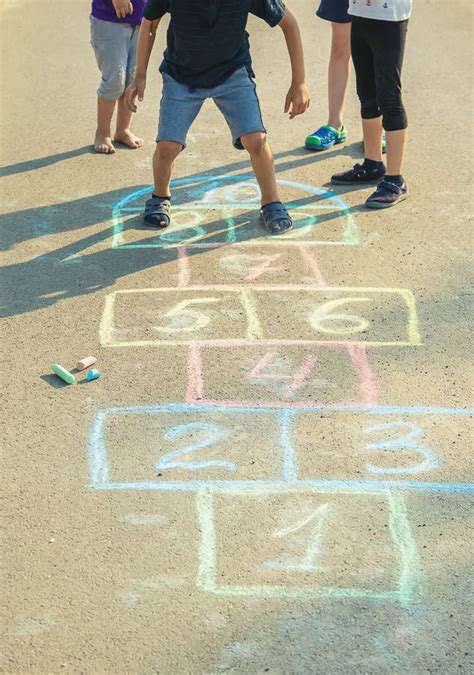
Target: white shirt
<point x="382" y="10"/>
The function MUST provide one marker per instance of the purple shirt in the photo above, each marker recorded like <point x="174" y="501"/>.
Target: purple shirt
<point x="104" y="10"/>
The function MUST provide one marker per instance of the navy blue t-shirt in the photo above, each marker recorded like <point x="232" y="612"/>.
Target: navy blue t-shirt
<point x="207" y="40"/>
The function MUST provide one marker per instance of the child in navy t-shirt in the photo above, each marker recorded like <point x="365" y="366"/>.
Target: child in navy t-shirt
<point x="208" y="57"/>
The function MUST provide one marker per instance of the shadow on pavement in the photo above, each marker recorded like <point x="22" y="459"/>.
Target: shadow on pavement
<point x="66" y="272"/>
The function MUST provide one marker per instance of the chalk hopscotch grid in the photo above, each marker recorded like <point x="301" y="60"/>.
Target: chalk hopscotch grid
<point x="349" y="235"/>
<point x="99" y="464"/>
<point x="409" y="574"/>
<point x="404" y="546"/>
<point x="107" y="323"/>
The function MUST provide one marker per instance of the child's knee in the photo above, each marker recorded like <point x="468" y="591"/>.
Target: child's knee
<point x="113" y="86"/>
<point x="255" y="142"/>
<point x="167" y="150"/>
<point x="369" y="108"/>
<point x="394" y="113"/>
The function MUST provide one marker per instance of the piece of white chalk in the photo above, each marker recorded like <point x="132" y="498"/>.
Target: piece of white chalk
<point x="85" y="363"/>
<point x="93" y="374"/>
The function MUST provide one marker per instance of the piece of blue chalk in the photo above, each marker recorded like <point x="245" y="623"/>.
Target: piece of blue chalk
<point x="93" y="374"/>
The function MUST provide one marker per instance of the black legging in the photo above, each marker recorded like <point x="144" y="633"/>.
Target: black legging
<point x="377" y="54"/>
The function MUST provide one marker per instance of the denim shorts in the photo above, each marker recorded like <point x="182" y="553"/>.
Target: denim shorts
<point x="236" y="98"/>
<point x="115" y="47"/>
<point x="334" y="10"/>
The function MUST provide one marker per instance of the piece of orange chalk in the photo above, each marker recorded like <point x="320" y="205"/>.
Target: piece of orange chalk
<point x="85" y="363"/>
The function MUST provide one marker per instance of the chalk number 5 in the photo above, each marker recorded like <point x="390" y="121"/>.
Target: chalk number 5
<point x="192" y="318"/>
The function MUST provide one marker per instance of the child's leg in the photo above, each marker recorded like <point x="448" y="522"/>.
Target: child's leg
<point x="363" y="59"/>
<point x="338" y="71"/>
<point x="103" y="141"/>
<point x="261" y="158"/>
<point x="388" y="40"/>
<point x="274" y="214"/>
<point x="109" y="41"/>
<point x="396" y="143"/>
<point x="389" y="47"/>
<point x="158" y="206"/>
<point x="362" y="56"/>
<point x="122" y="132"/>
<point x="179" y="107"/>
<point x="372" y="130"/>
<point x="124" y="116"/>
<point x="163" y="164"/>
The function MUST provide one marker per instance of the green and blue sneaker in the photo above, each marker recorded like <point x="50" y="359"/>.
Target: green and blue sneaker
<point x="325" y="137"/>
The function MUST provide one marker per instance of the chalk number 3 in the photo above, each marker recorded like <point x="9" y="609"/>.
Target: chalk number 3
<point x="408" y="442"/>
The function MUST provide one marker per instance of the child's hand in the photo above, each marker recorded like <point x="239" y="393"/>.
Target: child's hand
<point x="137" y="88"/>
<point x="297" y="100"/>
<point x="122" y="8"/>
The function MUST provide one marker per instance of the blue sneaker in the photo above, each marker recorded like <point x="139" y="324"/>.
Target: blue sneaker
<point x="325" y="137"/>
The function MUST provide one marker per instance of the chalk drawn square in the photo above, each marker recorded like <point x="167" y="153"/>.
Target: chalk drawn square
<point x="175" y="316"/>
<point x="181" y="447"/>
<point x="225" y="209"/>
<point x="383" y="444"/>
<point x="363" y="316"/>
<point x="254" y="263"/>
<point x="283" y="376"/>
<point x="302" y="543"/>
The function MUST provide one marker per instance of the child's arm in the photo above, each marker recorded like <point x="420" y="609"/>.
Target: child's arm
<point x="146" y="40"/>
<point x="298" y="98"/>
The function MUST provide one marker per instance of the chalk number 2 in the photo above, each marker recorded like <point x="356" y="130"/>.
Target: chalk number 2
<point x="214" y="434"/>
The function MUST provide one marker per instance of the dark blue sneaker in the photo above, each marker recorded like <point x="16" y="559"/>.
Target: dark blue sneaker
<point x="386" y="195"/>
<point x="358" y="174"/>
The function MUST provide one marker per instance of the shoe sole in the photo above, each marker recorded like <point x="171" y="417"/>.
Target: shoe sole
<point x="381" y="205"/>
<point x="278" y="233"/>
<point x="328" y="147"/>
<point x="356" y="182"/>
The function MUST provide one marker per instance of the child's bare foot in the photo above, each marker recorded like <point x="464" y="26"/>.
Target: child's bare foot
<point x="103" y="144"/>
<point x="127" y="138"/>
